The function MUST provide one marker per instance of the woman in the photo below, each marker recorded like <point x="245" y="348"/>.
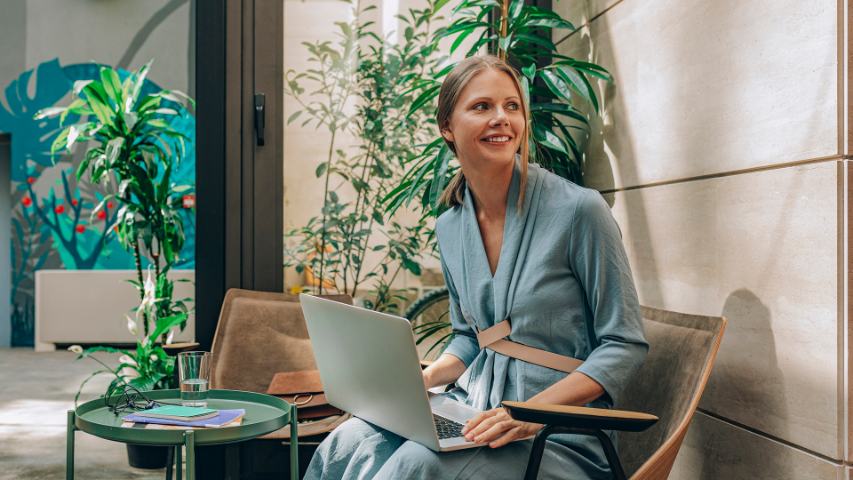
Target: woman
<point x="519" y="244"/>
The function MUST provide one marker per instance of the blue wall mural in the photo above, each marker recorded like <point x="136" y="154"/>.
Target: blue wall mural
<point x="52" y="225"/>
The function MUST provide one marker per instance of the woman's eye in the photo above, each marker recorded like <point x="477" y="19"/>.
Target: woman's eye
<point x="481" y="106"/>
<point x="513" y="106"/>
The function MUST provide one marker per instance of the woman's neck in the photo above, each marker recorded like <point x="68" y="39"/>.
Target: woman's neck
<point x="490" y="188"/>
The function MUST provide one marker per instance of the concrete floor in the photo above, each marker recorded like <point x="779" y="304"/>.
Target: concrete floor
<point x="36" y="391"/>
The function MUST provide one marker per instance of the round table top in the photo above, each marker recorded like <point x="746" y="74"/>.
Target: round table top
<point x="264" y="414"/>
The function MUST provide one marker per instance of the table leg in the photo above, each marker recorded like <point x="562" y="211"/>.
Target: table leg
<point x="294" y="445"/>
<point x="189" y="442"/>
<point x="170" y="457"/>
<point x="179" y="462"/>
<point x="232" y="461"/>
<point x="69" y="446"/>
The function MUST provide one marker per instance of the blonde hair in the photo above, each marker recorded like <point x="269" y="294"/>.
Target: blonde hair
<point x="448" y="96"/>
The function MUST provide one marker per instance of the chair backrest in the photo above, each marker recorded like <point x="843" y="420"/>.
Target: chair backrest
<point x="682" y="349"/>
<point x="258" y="335"/>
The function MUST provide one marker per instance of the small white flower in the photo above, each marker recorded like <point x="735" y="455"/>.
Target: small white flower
<point x="73" y="133"/>
<point x="153" y="358"/>
<point x="127" y="360"/>
<point x="75" y="349"/>
<point x="149" y="294"/>
<point x="131" y="325"/>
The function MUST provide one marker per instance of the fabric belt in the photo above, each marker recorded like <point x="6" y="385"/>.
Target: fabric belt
<point x="494" y="338"/>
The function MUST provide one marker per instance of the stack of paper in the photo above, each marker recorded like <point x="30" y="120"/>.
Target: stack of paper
<point x="187" y="417"/>
<point x="178" y="412"/>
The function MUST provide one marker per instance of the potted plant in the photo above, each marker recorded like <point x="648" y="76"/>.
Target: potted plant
<point x="146" y="367"/>
<point x="362" y="87"/>
<point x="133" y="152"/>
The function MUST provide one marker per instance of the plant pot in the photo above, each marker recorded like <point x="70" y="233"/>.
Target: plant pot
<point x="147" y="456"/>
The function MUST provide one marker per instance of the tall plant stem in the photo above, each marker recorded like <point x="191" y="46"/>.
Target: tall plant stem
<point x="362" y="251"/>
<point x="137" y="260"/>
<point x="345" y="255"/>
<point x="156" y="257"/>
<point x="504" y="15"/>
<point x="361" y="195"/>
<point x="362" y="247"/>
<point x="320" y="278"/>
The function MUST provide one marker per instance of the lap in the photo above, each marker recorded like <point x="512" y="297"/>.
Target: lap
<point x="354" y="450"/>
<point x="412" y="460"/>
<point x="358" y="449"/>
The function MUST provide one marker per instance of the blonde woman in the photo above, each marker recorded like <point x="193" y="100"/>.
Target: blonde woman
<point x="527" y="253"/>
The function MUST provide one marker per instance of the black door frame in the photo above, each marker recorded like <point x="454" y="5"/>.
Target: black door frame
<point x="239" y="184"/>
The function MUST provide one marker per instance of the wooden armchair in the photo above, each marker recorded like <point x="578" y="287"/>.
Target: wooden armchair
<point x="681" y="354"/>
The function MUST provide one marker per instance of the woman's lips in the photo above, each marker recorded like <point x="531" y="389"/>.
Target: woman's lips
<point x="497" y="140"/>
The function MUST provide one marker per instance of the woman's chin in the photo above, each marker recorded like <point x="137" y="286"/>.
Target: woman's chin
<point x="490" y="157"/>
<point x="499" y="158"/>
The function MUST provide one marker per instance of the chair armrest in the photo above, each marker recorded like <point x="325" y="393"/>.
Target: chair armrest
<point x="580" y="417"/>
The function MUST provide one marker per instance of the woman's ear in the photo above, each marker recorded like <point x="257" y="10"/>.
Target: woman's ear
<point x="447" y="134"/>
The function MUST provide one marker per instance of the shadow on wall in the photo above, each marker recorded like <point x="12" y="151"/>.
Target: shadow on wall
<point x="611" y="132"/>
<point x="747" y="381"/>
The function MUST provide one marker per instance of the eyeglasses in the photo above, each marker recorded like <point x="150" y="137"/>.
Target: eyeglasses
<point x="123" y="398"/>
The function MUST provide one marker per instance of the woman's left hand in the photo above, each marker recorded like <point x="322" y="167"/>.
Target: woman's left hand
<point x="497" y="428"/>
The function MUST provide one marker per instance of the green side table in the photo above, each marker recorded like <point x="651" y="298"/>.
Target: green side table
<point x="264" y="414"/>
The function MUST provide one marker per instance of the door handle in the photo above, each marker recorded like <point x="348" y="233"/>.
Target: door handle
<point x="260" y="113"/>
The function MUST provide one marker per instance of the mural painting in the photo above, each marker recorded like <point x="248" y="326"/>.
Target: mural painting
<point x="52" y="222"/>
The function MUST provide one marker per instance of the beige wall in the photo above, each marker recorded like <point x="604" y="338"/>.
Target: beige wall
<point x="125" y="34"/>
<point x="720" y="146"/>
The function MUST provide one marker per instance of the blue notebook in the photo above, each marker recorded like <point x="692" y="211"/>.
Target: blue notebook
<point x="224" y="417"/>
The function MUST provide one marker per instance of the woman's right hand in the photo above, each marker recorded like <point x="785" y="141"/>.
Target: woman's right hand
<point x="443" y="371"/>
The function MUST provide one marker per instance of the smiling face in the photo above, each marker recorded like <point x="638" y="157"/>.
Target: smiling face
<point x="487" y="122"/>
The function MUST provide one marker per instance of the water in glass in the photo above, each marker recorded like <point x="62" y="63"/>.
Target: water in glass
<point x="194" y="392"/>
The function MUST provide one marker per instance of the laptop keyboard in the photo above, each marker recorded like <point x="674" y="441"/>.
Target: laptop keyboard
<point x="446" y="428"/>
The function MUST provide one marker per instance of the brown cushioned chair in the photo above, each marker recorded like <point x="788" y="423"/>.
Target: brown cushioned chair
<point x="669" y="385"/>
<point x="258" y="335"/>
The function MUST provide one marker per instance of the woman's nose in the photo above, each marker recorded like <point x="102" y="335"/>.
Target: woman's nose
<point x="500" y="117"/>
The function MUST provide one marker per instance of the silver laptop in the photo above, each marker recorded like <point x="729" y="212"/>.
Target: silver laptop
<point x="369" y="367"/>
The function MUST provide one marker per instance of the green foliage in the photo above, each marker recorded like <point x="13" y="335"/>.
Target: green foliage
<point x="559" y="89"/>
<point x="363" y="88"/>
<point x="133" y="152"/>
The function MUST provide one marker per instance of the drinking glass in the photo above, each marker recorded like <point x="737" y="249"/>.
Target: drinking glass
<point x="194" y="370"/>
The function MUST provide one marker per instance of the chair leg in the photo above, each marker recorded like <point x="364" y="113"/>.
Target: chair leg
<point x="536" y="452"/>
<point x="539" y="448"/>
<point x="612" y="456"/>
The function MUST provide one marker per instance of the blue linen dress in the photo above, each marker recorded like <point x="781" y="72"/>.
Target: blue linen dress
<point x="564" y="280"/>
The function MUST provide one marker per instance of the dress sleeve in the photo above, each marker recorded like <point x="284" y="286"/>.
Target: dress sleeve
<point x="598" y="259"/>
<point x="464" y="345"/>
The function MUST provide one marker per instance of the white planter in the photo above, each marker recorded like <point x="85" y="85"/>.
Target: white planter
<point x="90" y="306"/>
